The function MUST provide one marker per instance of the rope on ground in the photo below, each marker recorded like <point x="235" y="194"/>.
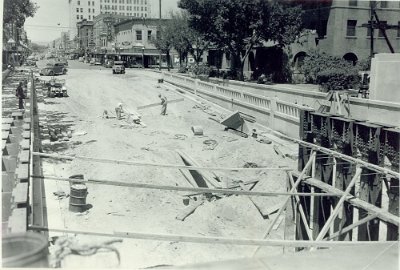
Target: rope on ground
<point x="219" y="240"/>
<point x="177" y="188"/>
<point x="148" y="164"/>
<point x="65" y="246"/>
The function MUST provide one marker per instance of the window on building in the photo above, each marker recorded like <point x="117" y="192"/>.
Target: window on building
<point x="145" y="2"/>
<point x="384" y="23"/>
<point x="81" y="9"/>
<point x="88" y="3"/>
<point x="141" y="9"/>
<point x="101" y="6"/>
<point x="77" y="9"/>
<point x="90" y="17"/>
<point x="158" y="34"/>
<point x="351" y="28"/>
<point x="92" y="3"/>
<point x="77" y="17"/>
<point x="353" y="3"/>
<point x="138" y="34"/>
<point x="89" y="10"/>
<point x="141" y="2"/>
<point x="148" y="34"/>
<point x="145" y="15"/>
<point x="79" y="3"/>
<point x="384" y="4"/>
<point x="81" y="17"/>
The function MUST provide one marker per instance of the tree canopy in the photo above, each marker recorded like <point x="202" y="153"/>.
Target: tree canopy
<point x="16" y="11"/>
<point x="238" y="25"/>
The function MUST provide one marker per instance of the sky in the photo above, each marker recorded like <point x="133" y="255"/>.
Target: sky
<point x="52" y="18"/>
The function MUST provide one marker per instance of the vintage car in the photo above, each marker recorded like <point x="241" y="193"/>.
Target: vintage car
<point x="118" y="67"/>
<point x="56" y="88"/>
<point x="52" y="69"/>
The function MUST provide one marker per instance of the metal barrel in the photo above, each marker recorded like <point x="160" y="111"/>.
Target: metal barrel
<point x="77" y="198"/>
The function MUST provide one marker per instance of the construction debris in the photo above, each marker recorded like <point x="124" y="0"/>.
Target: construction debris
<point x="197" y="130"/>
<point x="189" y="210"/>
<point x="210" y="144"/>
<point x="201" y="177"/>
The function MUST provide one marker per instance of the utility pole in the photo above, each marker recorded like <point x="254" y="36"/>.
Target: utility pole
<point x="371" y="27"/>
<point x="159" y="1"/>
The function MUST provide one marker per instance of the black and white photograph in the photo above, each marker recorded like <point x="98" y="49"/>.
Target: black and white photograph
<point x="200" y="134"/>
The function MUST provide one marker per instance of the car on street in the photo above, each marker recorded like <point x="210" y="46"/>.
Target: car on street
<point x="118" y="67"/>
<point x="52" y="69"/>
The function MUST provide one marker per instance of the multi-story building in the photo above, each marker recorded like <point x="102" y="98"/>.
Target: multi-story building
<point x="85" y="35"/>
<point x="88" y="9"/>
<point x="104" y="31"/>
<point x="345" y="32"/>
<point x="133" y="41"/>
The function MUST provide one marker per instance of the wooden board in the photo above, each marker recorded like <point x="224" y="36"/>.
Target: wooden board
<point x="159" y="104"/>
<point x="208" y="176"/>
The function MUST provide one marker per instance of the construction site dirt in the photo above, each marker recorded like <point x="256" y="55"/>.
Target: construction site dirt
<point x="158" y="139"/>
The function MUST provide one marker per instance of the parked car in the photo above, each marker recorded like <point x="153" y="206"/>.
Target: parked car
<point x="118" y="67"/>
<point x="97" y="62"/>
<point x="52" y="69"/>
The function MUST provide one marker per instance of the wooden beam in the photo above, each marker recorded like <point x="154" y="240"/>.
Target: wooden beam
<point x="158" y="165"/>
<point x="356" y="202"/>
<point x="159" y="104"/>
<point x="294" y="187"/>
<point x="338" y="206"/>
<point x="207" y="176"/>
<point x="216" y="240"/>
<point x="352" y="226"/>
<point x="301" y="210"/>
<point x="176" y="188"/>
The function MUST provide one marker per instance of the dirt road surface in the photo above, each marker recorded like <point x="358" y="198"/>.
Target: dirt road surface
<point x="94" y="89"/>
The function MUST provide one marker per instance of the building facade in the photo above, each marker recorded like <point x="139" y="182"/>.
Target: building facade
<point x="85" y="9"/>
<point x="85" y="35"/>
<point x="134" y="41"/>
<point x="104" y="31"/>
<point x="345" y="31"/>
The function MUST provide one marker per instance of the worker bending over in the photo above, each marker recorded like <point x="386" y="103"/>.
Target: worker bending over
<point x="119" y="110"/>
<point x="164" y="103"/>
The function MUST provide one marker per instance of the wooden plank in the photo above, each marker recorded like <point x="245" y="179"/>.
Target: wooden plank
<point x="338" y="206"/>
<point x="186" y="174"/>
<point x="159" y="103"/>
<point x="209" y="177"/>
<point x="352" y="226"/>
<point x="264" y="215"/>
<point x="294" y="187"/>
<point x="187" y="211"/>
<point x="215" y="240"/>
<point x="356" y="202"/>
<point x="301" y="210"/>
<point x="178" y="188"/>
<point x="159" y="165"/>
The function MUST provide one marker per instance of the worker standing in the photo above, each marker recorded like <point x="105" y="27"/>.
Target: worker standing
<point x="164" y="103"/>
<point x="119" y="110"/>
<point x="21" y="95"/>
